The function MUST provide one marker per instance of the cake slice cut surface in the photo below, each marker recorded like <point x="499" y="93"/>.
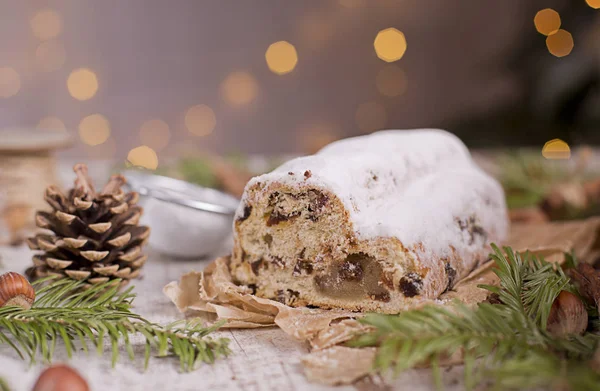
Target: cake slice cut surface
<point x="371" y="223"/>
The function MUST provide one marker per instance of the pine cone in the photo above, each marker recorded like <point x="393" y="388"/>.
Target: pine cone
<point x="96" y="235"/>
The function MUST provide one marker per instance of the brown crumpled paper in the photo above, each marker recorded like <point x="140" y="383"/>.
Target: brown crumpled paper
<point x="213" y="295"/>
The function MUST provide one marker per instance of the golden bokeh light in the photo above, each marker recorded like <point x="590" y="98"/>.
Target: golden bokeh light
<point x="46" y="24"/>
<point x="239" y="88"/>
<point x="547" y="21"/>
<point x="52" y="123"/>
<point x="595" y="4"/>
<point x="370" y="116"/>
<point x="556" y="149"/>
<point x="144" y="157"/>
<point x="155" y="133"/>
<point x="200" y="120"/>
<point x="10" y="82"/>
<point x="391" y="81"/>
<point x="50" y="55"/>
<point x="352" y="3"/>
<point x="281" y="57"/>
<point x="390" y="45"/>
<point x="82" y="84"/>
<point x="94" y="129"/>
<point x="560" y="44"/>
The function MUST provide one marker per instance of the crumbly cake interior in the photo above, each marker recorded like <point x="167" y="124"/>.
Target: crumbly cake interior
<point x="372" y="223"/>
<point x="287" y="250"/>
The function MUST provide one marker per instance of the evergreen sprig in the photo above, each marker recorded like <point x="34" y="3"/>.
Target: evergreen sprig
<point x="64" y="312"/>
<point x="504" y="344"/>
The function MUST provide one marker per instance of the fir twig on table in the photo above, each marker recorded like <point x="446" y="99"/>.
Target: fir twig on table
<point x="63" y="312"/>
<point x="504" y="343"/>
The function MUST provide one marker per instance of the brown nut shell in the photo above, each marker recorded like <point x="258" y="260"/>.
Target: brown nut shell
<point x="15" y="290"/>
<point x="60" y="378"/>
<point x="567" y="315"/>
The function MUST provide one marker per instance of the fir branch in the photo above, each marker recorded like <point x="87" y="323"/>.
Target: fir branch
<point x="528" y="283"/>
<point x="64" y="312"/>
<point x="526" y="178"/>
<point x="497" y="341"/>
<point x="538" y="368"/>
<point x="571" y="261"/>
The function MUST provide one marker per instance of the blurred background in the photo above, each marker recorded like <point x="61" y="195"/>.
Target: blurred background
<point x="268" y="76"/>
<point x="198" y="89"/>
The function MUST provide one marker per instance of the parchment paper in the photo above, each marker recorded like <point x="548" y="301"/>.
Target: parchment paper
<point x="212" y="295"/>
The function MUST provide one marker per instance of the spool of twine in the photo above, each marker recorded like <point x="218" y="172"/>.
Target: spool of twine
<point x="23" y="179"/>
<point x="26" y="169"/>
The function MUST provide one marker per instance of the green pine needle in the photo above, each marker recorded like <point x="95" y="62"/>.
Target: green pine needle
<point x="64" y="312"/>
<point x="506" y="343"/>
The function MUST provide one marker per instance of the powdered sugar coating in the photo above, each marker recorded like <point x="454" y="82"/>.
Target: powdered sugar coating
<point x="408" y="184"/>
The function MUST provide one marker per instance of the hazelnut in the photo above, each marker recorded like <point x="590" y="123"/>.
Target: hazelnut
<point x="567" y="315"/>
<point x="15" y="290"/>
<point x="60" y="378"/>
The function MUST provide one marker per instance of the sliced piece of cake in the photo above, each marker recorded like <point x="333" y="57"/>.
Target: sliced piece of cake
<point x="371" y="223"/>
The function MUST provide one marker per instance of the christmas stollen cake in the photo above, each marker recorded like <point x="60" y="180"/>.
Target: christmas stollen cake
<point x="371" y="223"/>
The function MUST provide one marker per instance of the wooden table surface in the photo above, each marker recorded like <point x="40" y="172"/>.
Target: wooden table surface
<point x="262" y="359"/>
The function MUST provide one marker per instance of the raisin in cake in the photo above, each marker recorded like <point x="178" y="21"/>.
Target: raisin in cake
<point x="371" y="223"/>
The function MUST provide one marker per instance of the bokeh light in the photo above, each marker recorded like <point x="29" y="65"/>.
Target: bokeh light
<point x="595" y="4"/>
<point x="547" y="21"/>
<point x="155" y="133"/>
<point x="370" y="116"/>
<point x="556" y="149"/>
<point x="46" y="24"/>
<point x="82" y="84"/>
<point x="10" y="82"/>
<point x="94" y="129"/>
<point x="560" y="44"/>
<point x="352" y="3"/>
<point x="200" y="120"/>
<point x="51" y="123"/>
<point x="239" y="88"/>
<point x="143" y="156"/>
<point x="391" y="81"/>
<point x="390" y="45"/>
<point x="50" y="56"/>
<point x="281" y="57"/>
